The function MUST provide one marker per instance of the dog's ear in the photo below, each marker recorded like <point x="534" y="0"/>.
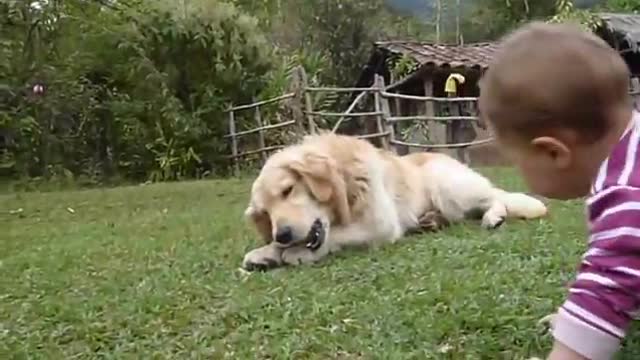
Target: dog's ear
<point x="261" y="221"/>
<point x="357" y="183"/>
<point x="325" y="181"/>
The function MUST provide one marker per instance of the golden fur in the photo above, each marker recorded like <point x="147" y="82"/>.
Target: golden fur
<point x="340" y="191"/>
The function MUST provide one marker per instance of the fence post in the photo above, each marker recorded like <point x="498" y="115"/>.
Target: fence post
<point x="261" y="142"/>
<point x="378" y="83"/>
<point x="308" y="103"/>
<point x="635" y="91"/>
<point x="294" y="105"/>
<point x="430" y="110"/>
<point x="234" y="142"/>
<point x="386" y="112"/>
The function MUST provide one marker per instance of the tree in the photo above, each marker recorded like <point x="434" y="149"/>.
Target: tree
<point x="623" y="5"/>
<point x="566" y="12"/>
<point x="490" y="19"/>
<point x="136" y="90"/>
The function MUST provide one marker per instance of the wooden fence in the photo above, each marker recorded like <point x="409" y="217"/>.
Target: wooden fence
<point x="303" y="118"/>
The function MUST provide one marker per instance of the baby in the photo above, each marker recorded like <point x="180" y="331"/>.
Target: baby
<point x="557" y="101"/>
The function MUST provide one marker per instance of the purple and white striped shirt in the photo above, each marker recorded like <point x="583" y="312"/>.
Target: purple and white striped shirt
<point x="605" y="295"/>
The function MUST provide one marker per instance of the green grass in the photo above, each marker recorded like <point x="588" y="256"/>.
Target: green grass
<point x="151" y="272"/>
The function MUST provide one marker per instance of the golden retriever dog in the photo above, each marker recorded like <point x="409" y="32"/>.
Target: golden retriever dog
<point x="333" y="191"/>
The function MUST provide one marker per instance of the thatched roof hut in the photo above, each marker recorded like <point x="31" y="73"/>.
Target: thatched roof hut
<point x="622" y="32"/>
<point x="431" y="66"/>
<point x="433" y="62"/>
<point x="436" y="61"/>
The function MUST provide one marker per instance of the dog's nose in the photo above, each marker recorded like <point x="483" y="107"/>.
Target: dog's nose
<point x="284" y="235"/>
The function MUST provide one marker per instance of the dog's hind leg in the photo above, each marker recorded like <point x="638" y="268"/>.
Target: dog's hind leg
<point x="430" y="221"/>
<point x="467" y="195"/>
<point x="491" y="211"/>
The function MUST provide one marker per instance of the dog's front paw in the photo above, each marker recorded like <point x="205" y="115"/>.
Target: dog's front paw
<point x="299" y="256"/>
<point x="262" y="259"/>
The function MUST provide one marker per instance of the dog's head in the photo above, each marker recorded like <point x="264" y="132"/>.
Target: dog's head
<point x="296" y="198"/>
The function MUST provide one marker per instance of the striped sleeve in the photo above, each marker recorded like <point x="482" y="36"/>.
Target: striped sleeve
<point x="604" y="296"/>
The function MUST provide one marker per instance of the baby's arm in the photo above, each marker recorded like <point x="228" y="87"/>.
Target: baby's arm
<point x="562" y="352"/>
<point x="604" y="296"/>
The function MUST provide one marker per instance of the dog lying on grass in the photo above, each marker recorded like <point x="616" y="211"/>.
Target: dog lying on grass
<point x="333" y="191"/>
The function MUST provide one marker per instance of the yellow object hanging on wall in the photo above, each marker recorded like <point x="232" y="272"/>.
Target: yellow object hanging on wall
<point x="451" y="85"/>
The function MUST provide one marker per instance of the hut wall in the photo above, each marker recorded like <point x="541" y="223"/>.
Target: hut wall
<point x="483" y="155"/>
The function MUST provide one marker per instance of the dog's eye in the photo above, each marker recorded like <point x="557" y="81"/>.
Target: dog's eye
<point x="287" y="191"/>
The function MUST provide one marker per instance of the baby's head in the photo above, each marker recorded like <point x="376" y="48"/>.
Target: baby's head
<point x="556" y="98"/>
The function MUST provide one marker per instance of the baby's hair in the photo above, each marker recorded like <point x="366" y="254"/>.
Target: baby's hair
<point x="554" y="76"/>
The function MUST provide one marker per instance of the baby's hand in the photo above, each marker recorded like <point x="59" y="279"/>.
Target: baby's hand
<point x="549" y="319"/>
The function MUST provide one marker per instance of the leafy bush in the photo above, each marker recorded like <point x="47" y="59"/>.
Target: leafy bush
<point x="136" y="91"/>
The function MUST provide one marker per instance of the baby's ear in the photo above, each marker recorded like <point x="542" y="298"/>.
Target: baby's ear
<point x="555" y="150"/>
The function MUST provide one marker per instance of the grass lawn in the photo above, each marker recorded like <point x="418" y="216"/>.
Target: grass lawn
<point x="151" y="272"/>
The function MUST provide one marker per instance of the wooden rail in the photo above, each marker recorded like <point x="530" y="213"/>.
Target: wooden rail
<point x="261" y="103"/>
<point x="394" y="119"/>
<point x="428" y="98"/>
<point x="344" y="114"/>
<point x="303" y="119"/>
<point x="258" y="129"/>
<point x="443" y="146"/>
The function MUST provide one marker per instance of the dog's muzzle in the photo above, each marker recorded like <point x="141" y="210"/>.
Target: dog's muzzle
<point x="316" y="235"/>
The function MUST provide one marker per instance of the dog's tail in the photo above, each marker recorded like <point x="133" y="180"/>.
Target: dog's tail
<point x="521" y="205"/>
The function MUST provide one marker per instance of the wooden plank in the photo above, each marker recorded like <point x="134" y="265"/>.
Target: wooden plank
<point x="309" y="106"/>
<point x="256" y="151"/>
<point x="394" y="119"/>
<point x="261" y="103"/>
<point x="349" y="109"/>
<point x="234" y="143"/>
<point x="635" y="91"/>
<point x="338" y="90"/>
<point x="296" y="104"/>
<point x="261" y="141"/>
<point x="429" y="110"/>
<point x="399" y="112"/>
<point x="379" y="84"/>
<point x="374" y="135"/>
<point x="386" y="114"/>
<point x="344" y="114"/>
<point x="263" y="128"/>
<point x="443" y="146"/>
<point x="308" y="103"/>
<point x="428" y="98"/>
<point x="397" y="103"/>
<point x="453" y="131"/>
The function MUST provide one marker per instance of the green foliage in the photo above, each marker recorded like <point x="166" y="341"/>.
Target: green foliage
<point x="490" y="19"/>
<point x="343" y="29"/>
<point x="199" y="56"/>
<point x="149" y="272"/>
<point x="401" y="66"/>
<point x="623" y="5"/>
<point x="341" y="32"/>
<point x="566" y="12"/>
<point x="135" y="91"/>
